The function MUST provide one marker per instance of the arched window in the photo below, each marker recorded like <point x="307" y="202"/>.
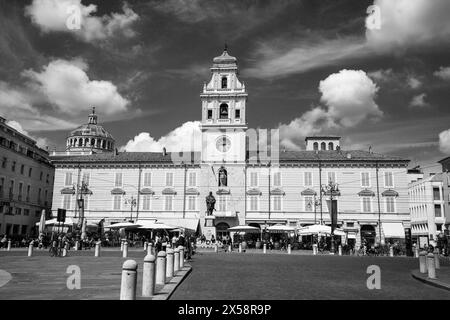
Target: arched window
<point x="330" y="146"/>
<point x="316" y="146"/>
<point x="223" y="110"/>
<point x="92" y="142"/>
<point x="224" y="82"/>
<point x="80" y="142"/>
<point x="323" y="146"/>
<point x="103" y="144"/>
<point x="86" y="141"/>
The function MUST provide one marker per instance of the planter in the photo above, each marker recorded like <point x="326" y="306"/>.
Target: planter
<point x="258" y="245"/>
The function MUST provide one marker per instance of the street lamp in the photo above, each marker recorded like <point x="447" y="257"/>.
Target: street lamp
<point x="316" y="203"/>
<point x="332" y="189"/>
<point x="132" y="202"/>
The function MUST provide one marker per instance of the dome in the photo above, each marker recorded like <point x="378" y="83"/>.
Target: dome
<point x="93" y="130"/>
<point x="225" y="58"/>
<point x="90" y="137"/>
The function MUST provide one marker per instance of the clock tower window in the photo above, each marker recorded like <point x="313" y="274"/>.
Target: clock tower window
<point x="224" y="82"/>
<point x="223" y="111"/>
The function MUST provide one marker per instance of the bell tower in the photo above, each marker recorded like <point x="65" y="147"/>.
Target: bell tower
<point x="224" y="122"/>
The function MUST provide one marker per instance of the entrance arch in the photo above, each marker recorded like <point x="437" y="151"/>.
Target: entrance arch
<point x="222" y="230"/>
<point x="368" y="234"/>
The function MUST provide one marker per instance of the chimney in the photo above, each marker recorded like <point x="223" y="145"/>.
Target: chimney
<point x="164" y="151"/>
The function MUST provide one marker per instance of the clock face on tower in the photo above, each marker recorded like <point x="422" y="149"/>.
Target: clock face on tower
<point x="223" y="144"/>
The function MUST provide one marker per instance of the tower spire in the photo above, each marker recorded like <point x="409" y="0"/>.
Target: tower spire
<point x="93" y="117"/>
<point x="225" y="47"/>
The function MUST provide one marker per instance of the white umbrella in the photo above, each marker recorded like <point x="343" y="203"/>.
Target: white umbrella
<point x="126" y="225"/>
<point x="68" y="222"/>
<point x="42" y="223"/>
<point x="280" y="229"/>
<point x="248" y="229"/>
<point x="318" y="229"/>
<point x="157" y="226"/>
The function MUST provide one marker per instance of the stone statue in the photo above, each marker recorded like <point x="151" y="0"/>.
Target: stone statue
<point x="222" y="177"/>
<point x="210" y="203"/>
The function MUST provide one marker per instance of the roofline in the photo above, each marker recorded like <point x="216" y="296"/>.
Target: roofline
<point x="322" y="137"/>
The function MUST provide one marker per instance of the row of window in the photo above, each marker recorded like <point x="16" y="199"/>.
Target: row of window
<point x="22" y="169"/>
<point x="223" y="200"/>
<point x="418" y="212"/>
<point x="17" y="211"/>
<point x="253" y="181"/>
<point x="147" y="179"/>
<point x="21" y="191"/>
<point x="90" y="142"/>
<point x="308" y="204"/>
<point x="224" y="112"/>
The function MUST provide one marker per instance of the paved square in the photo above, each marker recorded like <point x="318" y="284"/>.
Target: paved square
<point x="277" y="276"/>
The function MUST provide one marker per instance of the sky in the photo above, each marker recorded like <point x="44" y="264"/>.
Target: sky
<point x="376" y="72"/>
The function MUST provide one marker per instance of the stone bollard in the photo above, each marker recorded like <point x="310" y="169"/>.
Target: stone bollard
<point x="145" y="246"/>
<point x="181" y="248"/>
<point x="76" y="246"/>
<point x="391" y="251"/>
<point x="176" y="260"/>
<point x="150" y="248"/>
<point x="264" y="248"/>
<point x="240" y="248"/>
<point x="125" y="249"/>
<point x="121" y="245"/>
<point x="437" y="263"/>
<point x="161" y="268"/>
<point x="340" y="250"/>
<point x="423" y="262"/>
<point x="216" y="248"/>
<point x="314" y="249"/>
<point x="30" y="249"/>
<point x="148" y="276"/>
<point x="129" y="280"/>
<point x="229" y="248"/>
<point x="289" y="249"/>
<point x="169" y="263"/>
<point x="431" y="266"/>
<point x="97" y="248"/>
<point x="9" y="245"/>
<point x="64" y="254"/>
<point x="416" y="252"/>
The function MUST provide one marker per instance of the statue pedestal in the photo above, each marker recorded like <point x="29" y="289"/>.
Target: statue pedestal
<point x="209" y="229"/>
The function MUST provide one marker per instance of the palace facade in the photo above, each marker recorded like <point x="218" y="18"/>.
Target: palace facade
<point x="283" y="188"/>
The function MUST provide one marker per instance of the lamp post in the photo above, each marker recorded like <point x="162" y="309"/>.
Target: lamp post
<point x="132" y="202"/>
<point x="83" y="189"/>
<point x="331" y="188"/>
<point x="315" y="203"/>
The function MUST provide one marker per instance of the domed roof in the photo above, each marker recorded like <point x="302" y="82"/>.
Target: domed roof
<point x="225" y="58"/>
<point x="91" y="129"/>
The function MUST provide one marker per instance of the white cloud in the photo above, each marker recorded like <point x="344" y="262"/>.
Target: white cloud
<point x="275" y="60"/>
<point x="444" y="141"/>
<point x="349" y="95"/>
<point x="443" y="73"/>
<point x="410" y="22"/>
<point x="404" y="24"/>
<point x="17" y="104"/>
<point x="350" y="99"/>
<point x="419" y="101"/>
<point x="187" y="137"/>
<point x="52" y="15"/>
<point x="382" y="75"/>
<point x="69" y="89"/>
<point x="41" y="142"/>
<point x="413" y="82"/>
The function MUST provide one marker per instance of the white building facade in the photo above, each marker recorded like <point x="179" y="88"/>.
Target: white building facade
<point x="284" y="189"/>
<point x="26" y="182"/>
<point x="428" y="200"/>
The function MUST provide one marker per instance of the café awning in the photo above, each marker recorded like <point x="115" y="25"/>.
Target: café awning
<point x="393" y="230"/>
<point x="187" y="223"/>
